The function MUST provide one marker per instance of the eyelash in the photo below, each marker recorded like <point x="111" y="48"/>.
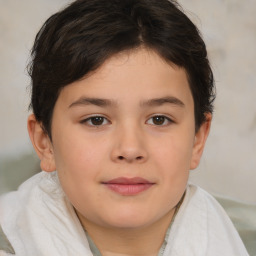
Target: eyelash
<point x="167" y="120"/>
<point x="89" y="120"/>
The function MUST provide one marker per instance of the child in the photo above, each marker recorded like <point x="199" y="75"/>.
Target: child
<point x="122" y="100"/>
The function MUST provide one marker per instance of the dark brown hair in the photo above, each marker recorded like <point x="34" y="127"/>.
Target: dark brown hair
<point x="78" y="39"/>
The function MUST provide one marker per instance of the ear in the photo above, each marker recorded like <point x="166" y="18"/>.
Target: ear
<point x="42" y="144"/>
<point x="199" y="142"/>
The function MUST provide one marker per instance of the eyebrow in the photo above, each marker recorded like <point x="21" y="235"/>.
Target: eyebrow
<point x="92" y="101"/>
<point x="107" y="103"/>
<point x="160" y="101"/>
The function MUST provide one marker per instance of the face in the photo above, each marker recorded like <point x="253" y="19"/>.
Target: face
<point x="123" y="140"/>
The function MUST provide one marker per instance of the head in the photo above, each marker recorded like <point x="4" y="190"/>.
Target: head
<point x="79" y="39"/>
<point x="123" y="88"/>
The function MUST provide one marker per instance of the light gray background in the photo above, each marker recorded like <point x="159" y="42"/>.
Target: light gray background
<point x="228" y="166"/>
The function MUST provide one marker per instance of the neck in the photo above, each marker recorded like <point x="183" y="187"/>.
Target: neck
<point x="141" y="241"/>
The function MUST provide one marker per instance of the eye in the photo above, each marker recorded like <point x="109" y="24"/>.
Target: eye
<point x="159" y="120"/>
<point x="95" y="121"/>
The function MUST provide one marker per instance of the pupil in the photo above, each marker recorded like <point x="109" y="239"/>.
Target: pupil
<point x="158" y="120"/>
<point x="97" y="120"/>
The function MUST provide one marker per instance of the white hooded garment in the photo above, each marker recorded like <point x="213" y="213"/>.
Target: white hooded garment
<point x="38" y="220"/>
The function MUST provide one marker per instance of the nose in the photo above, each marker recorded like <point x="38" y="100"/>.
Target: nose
<point x="129" y="146"/>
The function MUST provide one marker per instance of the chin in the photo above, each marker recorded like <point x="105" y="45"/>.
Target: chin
<point x="132" y="220"/>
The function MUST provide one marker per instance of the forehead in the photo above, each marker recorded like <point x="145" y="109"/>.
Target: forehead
<point x="138" y="75"/>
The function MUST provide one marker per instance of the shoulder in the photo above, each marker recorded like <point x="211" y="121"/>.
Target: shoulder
<point x="5" y="245"/>
<point x="197" y="196"/>
<point x="17" y="206"/>
<point x="205" y="226"/>
<point x="201" y="203"/>
<point x="10" y="205"/>
<point x="40" y="214"/>
<point x="12" y="202"/>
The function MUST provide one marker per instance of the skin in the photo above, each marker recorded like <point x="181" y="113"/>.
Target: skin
<point x="129" y="141"/>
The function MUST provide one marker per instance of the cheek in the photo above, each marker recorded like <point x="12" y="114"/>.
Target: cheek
<point x="77" y="152"/>
<point x="173" y="159"/>
<point x="79" y="163"/>
<point x="174" y="153"/>
<point x="78" y="168"/>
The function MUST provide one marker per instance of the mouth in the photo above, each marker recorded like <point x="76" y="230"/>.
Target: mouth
<point x="128" y="186"/>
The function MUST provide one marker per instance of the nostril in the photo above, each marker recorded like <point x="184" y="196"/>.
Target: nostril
<point x="137" y="158"/>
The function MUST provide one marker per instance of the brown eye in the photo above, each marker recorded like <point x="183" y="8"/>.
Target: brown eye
<point x="95" y="121"/>
<point x="159" y="120"/>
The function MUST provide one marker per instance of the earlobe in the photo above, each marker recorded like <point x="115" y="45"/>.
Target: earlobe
<point x="41" y="143"/>
<point x="199" y="142"/>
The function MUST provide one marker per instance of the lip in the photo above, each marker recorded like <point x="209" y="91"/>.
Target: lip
<point x="128" y="186"/>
